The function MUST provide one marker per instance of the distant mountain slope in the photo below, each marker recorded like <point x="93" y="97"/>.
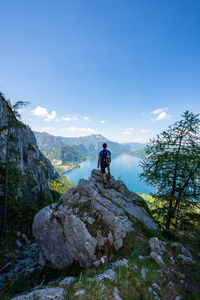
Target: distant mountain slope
<point x="88" y="145"/>
<point x="66" y="154"/>
<point x="136" y="146"/>
<point x="47" y="142"/>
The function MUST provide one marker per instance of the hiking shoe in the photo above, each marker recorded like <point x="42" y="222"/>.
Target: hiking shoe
<point x="104" y="185"/>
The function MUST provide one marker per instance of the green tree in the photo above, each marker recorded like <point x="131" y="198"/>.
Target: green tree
<point x="173" y="165"/>
<point x="12" y="117"/>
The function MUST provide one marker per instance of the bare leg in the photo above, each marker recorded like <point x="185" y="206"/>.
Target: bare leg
<point x="108" y="170"/>
<point x="104" y="178"/>
<point x="108" y="173"/>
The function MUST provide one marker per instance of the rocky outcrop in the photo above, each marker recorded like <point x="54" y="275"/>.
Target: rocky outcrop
<point x="159" y="247"/>
<point x="34" y="169"/>
<point x="44" y="294"/>
<point x="89" y="222"/>
<point x="23" y="261"/>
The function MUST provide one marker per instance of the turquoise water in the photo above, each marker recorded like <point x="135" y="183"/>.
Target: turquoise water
<point x="124" y="167"/>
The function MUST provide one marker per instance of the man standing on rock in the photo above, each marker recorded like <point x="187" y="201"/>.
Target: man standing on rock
<point x="104" y="160"/>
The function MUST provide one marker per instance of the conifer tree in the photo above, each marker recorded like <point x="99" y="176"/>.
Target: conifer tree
<point x="173" y="165"/>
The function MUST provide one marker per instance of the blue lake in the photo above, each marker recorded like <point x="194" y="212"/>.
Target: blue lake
<point x="124" y="167"/>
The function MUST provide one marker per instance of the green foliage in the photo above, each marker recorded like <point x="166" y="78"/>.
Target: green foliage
<point x="59" y="186"/>
<point x="173" y="165"/>
<point x="149" y="232"/>
<point x="187" y="228"/>
<point x="13" y="181"/>
<point x="44" y="167"/>
<point x="158" y="209"/>
<point x="20" y="210"/>
<point x="67" y="167"/>
<point x="66" y="154"/>
<point x="32" y="147"/>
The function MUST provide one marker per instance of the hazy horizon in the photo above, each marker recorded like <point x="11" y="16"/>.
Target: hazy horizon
<point x="88" y="136"/>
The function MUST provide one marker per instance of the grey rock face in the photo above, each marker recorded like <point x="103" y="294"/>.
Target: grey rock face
<point x="186" y="259"/>
<point x="109" y="274"/>
<point x="35" y="170"/>
<point x="121" y="263"/>
<point x="143" y="272"/>
<point x="44" y="294"/>
<point x="157" y="258"/>
<point x="2" y="281"/>
<point x="89" y="218"/>
<point x="24" y="262"/>
<point x="116" y="294"/>
<point x="79" y="293"/>
<point x="183" y="250"/>
<point x="157" y="246"/>
<point x="66" y="281"/>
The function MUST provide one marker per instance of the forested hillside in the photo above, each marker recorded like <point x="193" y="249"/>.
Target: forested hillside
<point x="87" y="146"/>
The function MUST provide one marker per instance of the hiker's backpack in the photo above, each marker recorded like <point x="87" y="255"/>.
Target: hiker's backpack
<point x="105" y="159"/>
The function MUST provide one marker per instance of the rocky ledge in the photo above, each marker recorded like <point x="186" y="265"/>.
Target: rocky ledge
<point x="89" y="222"/>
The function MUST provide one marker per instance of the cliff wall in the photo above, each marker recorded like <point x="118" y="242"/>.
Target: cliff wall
<point x="35" y="170"/>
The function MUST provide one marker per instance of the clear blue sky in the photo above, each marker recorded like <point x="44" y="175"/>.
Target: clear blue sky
<point x="101" y="65"/>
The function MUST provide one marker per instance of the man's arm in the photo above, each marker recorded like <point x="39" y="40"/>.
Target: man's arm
<point x="99" y="161"/>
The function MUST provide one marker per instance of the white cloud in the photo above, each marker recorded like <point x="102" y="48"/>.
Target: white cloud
<point x="102" y="121"/>
<point x="47" y="129"/>
<point x="50" y="128"/>
<point x="69" y="118"/>
<point x="43" y="113"/>
<point x="159" y="110"/>
<point x="144" y="130"/>
<point x="86" y="119"/>
<point x="161" y="114"/>
<point x="127" y="131"/>
<point x="127" y="139"/>
<point x="77" y="130"/>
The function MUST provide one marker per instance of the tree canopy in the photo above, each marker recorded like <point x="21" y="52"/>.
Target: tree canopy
<point x="173" y="165"/>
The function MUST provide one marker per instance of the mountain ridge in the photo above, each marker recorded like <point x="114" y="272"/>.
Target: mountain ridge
<point x="83" y="147"/>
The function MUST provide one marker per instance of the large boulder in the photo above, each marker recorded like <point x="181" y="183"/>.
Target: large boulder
<point x="88" y="219"/>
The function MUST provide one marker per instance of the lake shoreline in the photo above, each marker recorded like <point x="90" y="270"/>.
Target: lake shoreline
<point x="67" y="167"/>
<point x="124" y="167"/>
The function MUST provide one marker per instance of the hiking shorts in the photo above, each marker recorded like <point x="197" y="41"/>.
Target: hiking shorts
<point x="103" y="168"/>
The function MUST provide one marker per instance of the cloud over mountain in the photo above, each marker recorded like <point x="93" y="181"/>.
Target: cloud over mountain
<point x="43" y="113"/>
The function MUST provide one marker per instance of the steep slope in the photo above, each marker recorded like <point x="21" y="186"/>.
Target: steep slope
<point x="47" y="143"/>
<point x="34" y="170"/>
<point x="66" y="154"/>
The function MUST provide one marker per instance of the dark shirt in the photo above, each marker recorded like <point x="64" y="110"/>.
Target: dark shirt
<point x="101" y="153"/>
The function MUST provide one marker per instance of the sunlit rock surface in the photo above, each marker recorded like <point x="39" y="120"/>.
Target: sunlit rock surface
<point x="88" y="219"/>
